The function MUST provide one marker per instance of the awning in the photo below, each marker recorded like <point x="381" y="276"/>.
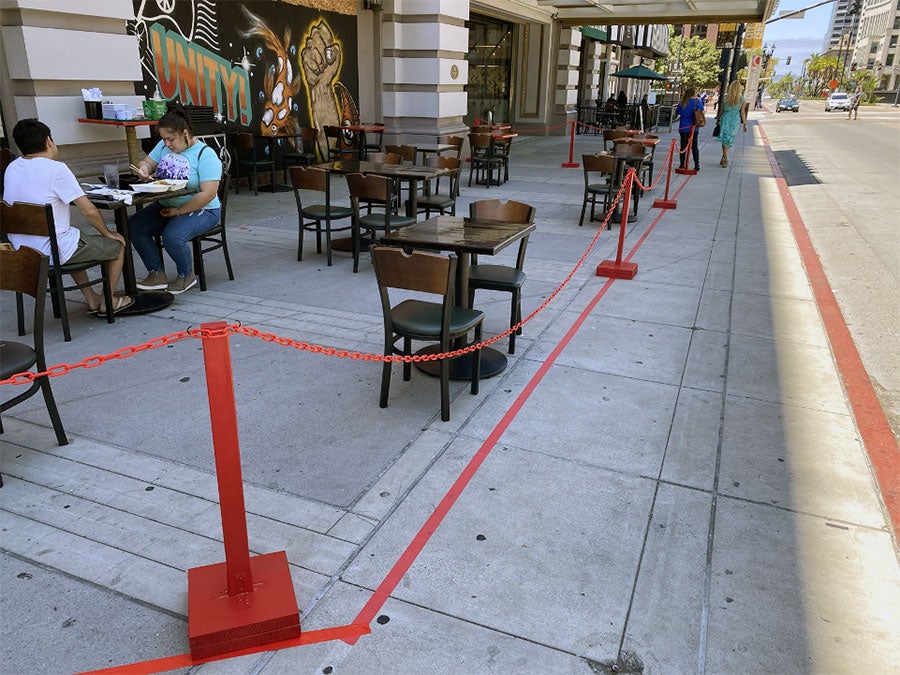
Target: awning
<point x="606" y="12"/>
<point x="596" y="32"/>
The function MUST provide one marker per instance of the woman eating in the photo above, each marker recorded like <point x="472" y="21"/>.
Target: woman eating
<point x="178" y="156"/>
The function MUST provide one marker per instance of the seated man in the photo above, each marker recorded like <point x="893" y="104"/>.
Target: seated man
<point x="38" y="178"/>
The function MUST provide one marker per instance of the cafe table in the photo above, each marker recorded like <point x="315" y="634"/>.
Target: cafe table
<point x="131" y="139"/>
<point x="410" y="173"/>
<point x="426" y="149"/>
<point x="145" y="302"/>
<point x="464" y="237"/>
<point x="624" y="161"/>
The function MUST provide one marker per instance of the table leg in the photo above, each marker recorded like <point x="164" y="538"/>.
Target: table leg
<point x="412" y="206"/>
<point x="493" y="361"/>
<point x="134" y="146"/>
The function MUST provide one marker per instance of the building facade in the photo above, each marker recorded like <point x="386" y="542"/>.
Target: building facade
<point x="424" y="68"/>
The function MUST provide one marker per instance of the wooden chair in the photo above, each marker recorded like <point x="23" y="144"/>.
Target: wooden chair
<point x="37" y="219"/>
<point x="304" y="152"/>
<point x="214" y="238"/>
<point x="599" y="173"/>
<point x="25" y="272"/>
<point x="341" y="144"/>
<point x="456" y="141"/>
<point x="406" y="152"/>
<point x="483" y="163"/>
<point x="415" y="319"/>
<point x="433" y="199"/>
<point x="501" y="277"/>
<point x="374" y="191"/>
<point x="610" y="135"/>
<point x="385" y="158"/>
<point x="246" y="158"/>
<point x="316" y="180"/>
<point x="502" y="148"/>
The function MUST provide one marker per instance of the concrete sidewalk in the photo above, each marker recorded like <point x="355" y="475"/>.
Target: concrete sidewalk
<point x="670" y="478"/>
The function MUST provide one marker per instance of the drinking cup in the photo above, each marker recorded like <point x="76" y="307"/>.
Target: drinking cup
<point x="111" y="175"/>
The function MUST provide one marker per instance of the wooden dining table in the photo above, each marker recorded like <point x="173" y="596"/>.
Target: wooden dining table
<point x="464" y="237"/>
<point x="410" y="173"/>
<point x="131" y="139"/>
<point x="145" y="302"/>
<point x="362" y="130"/>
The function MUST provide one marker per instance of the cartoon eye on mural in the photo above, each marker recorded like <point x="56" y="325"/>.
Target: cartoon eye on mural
<point x="330" y="102"/>
<point x="280" y="84"/>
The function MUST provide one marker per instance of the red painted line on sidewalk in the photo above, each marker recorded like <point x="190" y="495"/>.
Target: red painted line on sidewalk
<point x="185" y="660"/>
<point x="408" y="557"/>
<point x="877" y="436"/>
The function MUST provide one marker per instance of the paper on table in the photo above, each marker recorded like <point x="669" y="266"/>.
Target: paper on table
<point x="117" y="195"/>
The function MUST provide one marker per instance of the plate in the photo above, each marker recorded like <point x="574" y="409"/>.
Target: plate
<point x="163" y="185"/>
<point x="150" y="187"/>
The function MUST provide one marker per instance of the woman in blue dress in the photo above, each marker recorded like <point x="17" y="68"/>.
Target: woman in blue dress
<point x="731" y="112"/>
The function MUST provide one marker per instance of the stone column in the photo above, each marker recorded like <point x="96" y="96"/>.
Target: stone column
<point x="566" y="92"/>
<point x="424" y="68"/>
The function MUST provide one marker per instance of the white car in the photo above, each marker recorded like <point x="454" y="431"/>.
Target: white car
<point x="838" y="101"/>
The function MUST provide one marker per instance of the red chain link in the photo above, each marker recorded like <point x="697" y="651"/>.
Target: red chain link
<point x="647" y="188"/>
<point x="126" y="352"/>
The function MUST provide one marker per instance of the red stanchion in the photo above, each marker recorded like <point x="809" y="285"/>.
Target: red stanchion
<point x="571" y="164"/>
<point x="617" y="269"/>
<point x="243" y="602"/>
<point x="686" y="171"/>
<point x="665" y="202"/>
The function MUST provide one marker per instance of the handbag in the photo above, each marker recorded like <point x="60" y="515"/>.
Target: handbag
<point x="717" y="129"/>
<point x="699" y="118"/>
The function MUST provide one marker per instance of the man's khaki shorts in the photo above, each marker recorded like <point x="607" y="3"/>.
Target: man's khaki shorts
<point x="95" y="247"/>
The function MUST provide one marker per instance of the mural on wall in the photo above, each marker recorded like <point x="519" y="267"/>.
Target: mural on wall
<point x="228" y="60"/>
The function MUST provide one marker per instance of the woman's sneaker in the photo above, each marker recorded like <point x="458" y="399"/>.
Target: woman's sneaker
<point x="155" y="281"/>
<point x="181" y="284"/>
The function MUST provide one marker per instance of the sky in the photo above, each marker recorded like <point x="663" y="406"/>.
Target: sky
<point x="798" y="38"/>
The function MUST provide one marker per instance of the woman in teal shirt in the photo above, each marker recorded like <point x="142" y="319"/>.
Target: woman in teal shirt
<point x="179" y="156"/>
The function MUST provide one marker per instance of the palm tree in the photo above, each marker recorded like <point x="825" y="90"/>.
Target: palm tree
<point x="821" y="70"/>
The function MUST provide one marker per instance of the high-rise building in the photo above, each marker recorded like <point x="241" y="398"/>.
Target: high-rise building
<point x="843" y="23"/>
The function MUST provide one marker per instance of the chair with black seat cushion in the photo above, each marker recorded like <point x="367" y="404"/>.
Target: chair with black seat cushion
<point x="501" y="277"/>
<point x="433" y="198"/>
<point x="342" y="144"/>
<point x="246" y="158"/>
<point x="214" y="238"/>
<point x="321" y="215"/>
<point x="377" y="191"/>
<point x="502" y="148"/>
<point x="304" y="148"/>
<point x="37" y="219"/>
<point x="599" y="172"/>
<point x="483" y="162"/>
<point x="25" y="272"/>
<point x="425" y="320"/>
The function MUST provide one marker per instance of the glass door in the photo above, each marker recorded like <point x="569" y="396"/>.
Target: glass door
<point x="490" y="66"/>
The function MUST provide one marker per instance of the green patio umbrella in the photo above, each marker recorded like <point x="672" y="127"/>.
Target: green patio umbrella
<point x="640" y="72"/>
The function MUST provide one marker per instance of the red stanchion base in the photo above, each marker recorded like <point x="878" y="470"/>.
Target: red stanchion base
<point x="219" y="623"/>
<point x="624" y="270"/>
<point x="570" y="165"/>
<point x="665" y="204"/>
<point x="686" y="172"/>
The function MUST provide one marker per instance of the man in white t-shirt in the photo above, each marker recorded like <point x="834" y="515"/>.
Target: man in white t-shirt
<point x="38" y="178"/>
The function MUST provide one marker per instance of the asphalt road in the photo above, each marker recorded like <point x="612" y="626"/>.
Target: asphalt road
<point x="845" y="177"/>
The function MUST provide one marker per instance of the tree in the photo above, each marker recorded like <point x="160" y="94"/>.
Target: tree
<point x="698" y="59"/>
<point x="785" y="85"/>
<point x="821" y="70"/>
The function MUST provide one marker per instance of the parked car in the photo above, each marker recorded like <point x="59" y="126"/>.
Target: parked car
<point x="838" y="101"/>
<point x="788" y="103"/>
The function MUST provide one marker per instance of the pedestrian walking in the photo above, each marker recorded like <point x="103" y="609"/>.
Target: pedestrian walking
<point x="685" y="112"/>
<point x="854" y="105"/>
<point x="731" y="113"/>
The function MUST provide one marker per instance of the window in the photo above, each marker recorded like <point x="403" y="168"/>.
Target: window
<point x="889" y="61"/>
<point x="874" y="48"/>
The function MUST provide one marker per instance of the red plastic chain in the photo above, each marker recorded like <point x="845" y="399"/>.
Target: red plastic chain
<point x="662" y="171"/>
<point x="126" y="352"/>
